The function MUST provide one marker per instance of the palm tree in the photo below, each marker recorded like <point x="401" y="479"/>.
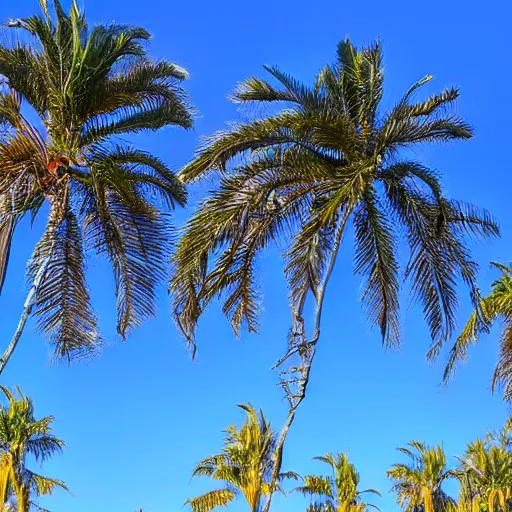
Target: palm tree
<point x="338" y="492"/>
<point x="419" y="484"/>
<point x="21" y="434"/>
<point x="88" y="87"/>
<point x="498" y="304"/>
<point x="485" y="474"/>
<point x="299" y="178"/>
<point x="245" y="465"/>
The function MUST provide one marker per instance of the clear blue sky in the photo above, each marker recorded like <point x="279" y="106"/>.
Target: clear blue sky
<point x="137" y="418"/>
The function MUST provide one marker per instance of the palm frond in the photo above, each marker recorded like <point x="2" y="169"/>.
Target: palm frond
<point x="375" y="258"/>
<point x="63" y="305"/>
<point x="503" y="373"/>
<point x="211" y="500"/>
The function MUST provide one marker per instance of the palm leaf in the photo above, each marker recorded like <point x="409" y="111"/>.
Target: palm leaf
<point x="211" y="500"/>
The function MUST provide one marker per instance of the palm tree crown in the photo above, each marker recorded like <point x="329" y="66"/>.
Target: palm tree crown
<point x="338" y="492"/>
<point x="88" y="87"/>
<point x="331" y="157"/>
<point x="21" y="434"/>
<point x="244" y="464"/>
<point x="419" y="484"/>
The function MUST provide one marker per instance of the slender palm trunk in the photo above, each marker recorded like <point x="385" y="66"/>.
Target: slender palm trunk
<point x="6" y="233"/>
<point x="31" y="296"/>
<point x="306" y="350"/>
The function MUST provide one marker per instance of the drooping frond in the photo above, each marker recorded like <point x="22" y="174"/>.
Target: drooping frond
<point x="42" y="485"/>
<point x="211" y="500"/>
<point x="63" y="305"/>
<point x="135" y="238"/>
<point x="375" y="260"/>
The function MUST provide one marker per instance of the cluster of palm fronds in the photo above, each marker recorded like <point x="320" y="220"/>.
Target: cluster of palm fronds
<point x="88" y="88"/>
<point x="484" y="475"/>
<point x="21" y="435"/>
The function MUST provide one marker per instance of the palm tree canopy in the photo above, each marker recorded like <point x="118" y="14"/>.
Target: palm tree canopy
<point x="338" y="492"/>
<point x="21" y="435"/>
<point x="244" y="465"/>
<point x="88" y="87"/>
<point x="419" y="483"/>
<point x="329" y="158"/>
<point x="498" y="304"/>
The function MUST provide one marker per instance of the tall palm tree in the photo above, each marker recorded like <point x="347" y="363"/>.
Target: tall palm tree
<point x="21" y="434"/>
<point x="88" y="88"/>
<point x="497" y="305"/>
<point x="419" y="484"/>
<point x="485" y="474"/>
<point x="338" y="492"/>
<point x="329" y="159"/>
<point x="244" y="465"/>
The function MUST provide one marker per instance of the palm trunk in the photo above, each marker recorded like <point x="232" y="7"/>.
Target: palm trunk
<point x="6" y="233"/>
<point x="306" y="349"/>
<point x="22" y="504"/>
<point x="31" y="297"/>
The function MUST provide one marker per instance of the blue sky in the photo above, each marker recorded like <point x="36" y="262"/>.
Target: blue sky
<point x="137" y="418"/>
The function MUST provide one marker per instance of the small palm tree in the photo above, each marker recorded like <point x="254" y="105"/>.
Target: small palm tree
<point x="498" y="304"/>
<point x="330" y="158"/>
<point x="88" y="87"/>
<point x="21" y="434"/>
<point x="485" y="474"/>
<point x="338" y="492"/>
<point x="245" y="465"/>
<point x="419" y="484"/>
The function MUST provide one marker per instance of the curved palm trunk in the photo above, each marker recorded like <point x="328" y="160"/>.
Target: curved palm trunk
<point x="295" y="380"/>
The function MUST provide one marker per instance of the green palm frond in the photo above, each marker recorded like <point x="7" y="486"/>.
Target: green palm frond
<point x="63" y="307"/>
<point x="211" y="500"/>
<point x="316" y="485"/>
<point x="375" y="259"/>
